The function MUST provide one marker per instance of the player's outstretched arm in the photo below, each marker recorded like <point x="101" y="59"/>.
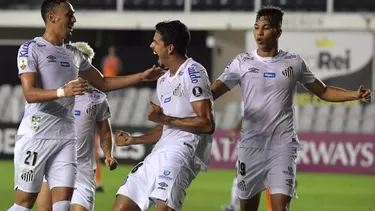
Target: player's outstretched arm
<point x="218" y="88"/>
<point x="105" y="84"/>
<point x="335" y="94"/>
<point x="106" y="143"/>
<point x="202" y="123"/>
<point x="151" y="137"/>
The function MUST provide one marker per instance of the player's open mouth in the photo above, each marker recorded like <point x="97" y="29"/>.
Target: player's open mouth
<point x="70" y="28"/>
<point x="259" y="41"/>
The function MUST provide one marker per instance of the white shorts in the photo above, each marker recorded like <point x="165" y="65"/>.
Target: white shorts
<point x="34" y="158"/>
<point x="164" y="175"/>
<point x="259" y="168"/>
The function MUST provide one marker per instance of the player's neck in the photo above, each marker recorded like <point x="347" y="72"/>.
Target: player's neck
<point x="52" y="38"/>
<point x="176" y="64"/>
<point x="269" y="53"/>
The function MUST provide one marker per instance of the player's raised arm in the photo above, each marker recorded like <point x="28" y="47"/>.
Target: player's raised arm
<point x="152" y="137"/>
<point x="96" y="79"/>
<point x="228" y="79"/>
<point x="330" y="93"/>
<point x="27" y="60"/>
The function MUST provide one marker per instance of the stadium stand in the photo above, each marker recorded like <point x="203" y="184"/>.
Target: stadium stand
<point x="131" y="106"/>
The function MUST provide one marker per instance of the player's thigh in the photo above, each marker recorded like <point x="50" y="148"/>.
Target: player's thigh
<point x="30" y="157"/>
<point x="174" y="176"/>
<point x="84" y="193"/>
<point x="44" y="200"/>
<point x="137" y="186"/>
<point x="282" y="172"/>
<point x="251" y="204"/>
<point x="251" y="174"/>
<point x="77" y="207"/>
<point x="62" y="171"/>
<point x="124" y="203"/>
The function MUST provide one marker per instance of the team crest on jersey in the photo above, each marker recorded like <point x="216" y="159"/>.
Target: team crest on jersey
<point x="288" y="72"/>
<point x="177" y="90"/>
<point x="23" y="63"/>
<point x="92" y="110"/>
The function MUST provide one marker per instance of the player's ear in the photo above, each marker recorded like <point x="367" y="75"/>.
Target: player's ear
<point x="51" y="17"/>
<point x="170" y="49"/>
<point x="279" y="32"/>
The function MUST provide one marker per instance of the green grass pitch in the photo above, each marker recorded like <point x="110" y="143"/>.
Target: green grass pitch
<point x="317" y="192"/>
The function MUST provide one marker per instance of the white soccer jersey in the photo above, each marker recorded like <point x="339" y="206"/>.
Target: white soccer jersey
<point x="90" y="108"/>
<point x="190" y="84"/>
<point x="268" y="87"/>
<point x="55" y="66"/>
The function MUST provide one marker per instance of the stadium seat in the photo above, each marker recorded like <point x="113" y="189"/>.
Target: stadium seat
<point x="338" y="119"/>
<point x="369" y="111"/>
<point x="298" y="5"/>
<point x="368" y="125"/>
<point x="140" y="107"/>
<point x="349" y="6"/>
<point x="306" y="117"/>
<point x="322" y="118"/>
<point x="126" y="107"/>
<point x="114" y="104"/>
<point x="5" y="93"/>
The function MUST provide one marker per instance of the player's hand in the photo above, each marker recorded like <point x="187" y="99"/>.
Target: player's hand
<point x="75" y="87"/>
<point x="155" y="113"/>
<point x="111" y="163"/>
<point x="153" y="73"/>
<point x="364" y="95"/>
<point x="123" y="138"/>
<point x="231" y="135"/>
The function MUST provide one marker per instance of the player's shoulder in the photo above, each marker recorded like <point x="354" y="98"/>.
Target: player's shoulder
<point x="286" y="55"/>
<point x="193" y="71"/>
<point x="71" y="48"/>
<point x="244" y="57"/>
<point x="28" y="47"/>
<point x="163" y="77"/>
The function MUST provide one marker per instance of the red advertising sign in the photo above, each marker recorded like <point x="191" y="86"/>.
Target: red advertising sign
<point x="322" y="152"/>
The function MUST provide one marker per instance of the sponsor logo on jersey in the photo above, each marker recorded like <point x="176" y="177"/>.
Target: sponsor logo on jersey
<point x="77" y="113"/>
<point x="65" y="64"/>
<point x="51" y="58"/>
<point x="269" y="75"/>
<point x="165" y="175"/>
<point x="253" y="70"/>
<point x="23" y="63"/>
<point x="194" y="74"/>
<point x="197" y="91"/>
<point x="24" y="51"/>
<point x="167" y="100"/>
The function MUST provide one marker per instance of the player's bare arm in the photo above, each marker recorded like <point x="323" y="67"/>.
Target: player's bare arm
<point x="151" y="137"/>
<point x="106" y="143"/>
<point x="218" y="88"/>
<point x="203" y="123"/>
<point x="105" y="84"/>
<point x="33" y="94"/>
<point x="335" y="94"/>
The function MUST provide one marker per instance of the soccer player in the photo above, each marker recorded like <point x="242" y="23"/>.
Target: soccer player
<point x="45" y="141"/>
<point x="268" y="145"/>
<point x="183" y="139"/>
<point x="91" y="111"/>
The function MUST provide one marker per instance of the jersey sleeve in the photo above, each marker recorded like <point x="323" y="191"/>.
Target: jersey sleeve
<point x="306" y="76"/>
<point x="197" y="84"/>
<point x="84" y="62"/>
<point x="104" y="112"/>
<point x="27" y="59"/>
<point x="231" y="75"/>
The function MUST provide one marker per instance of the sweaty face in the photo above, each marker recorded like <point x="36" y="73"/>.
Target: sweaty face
<point x="158" y="47"/>
<point x="265" y="34"/>
<point x="64" y="20"/>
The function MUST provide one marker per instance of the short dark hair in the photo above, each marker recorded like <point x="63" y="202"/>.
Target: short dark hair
<point x="274" y="14"/>
<point x="49" y="6"/>
<point x="175" y="33"/>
